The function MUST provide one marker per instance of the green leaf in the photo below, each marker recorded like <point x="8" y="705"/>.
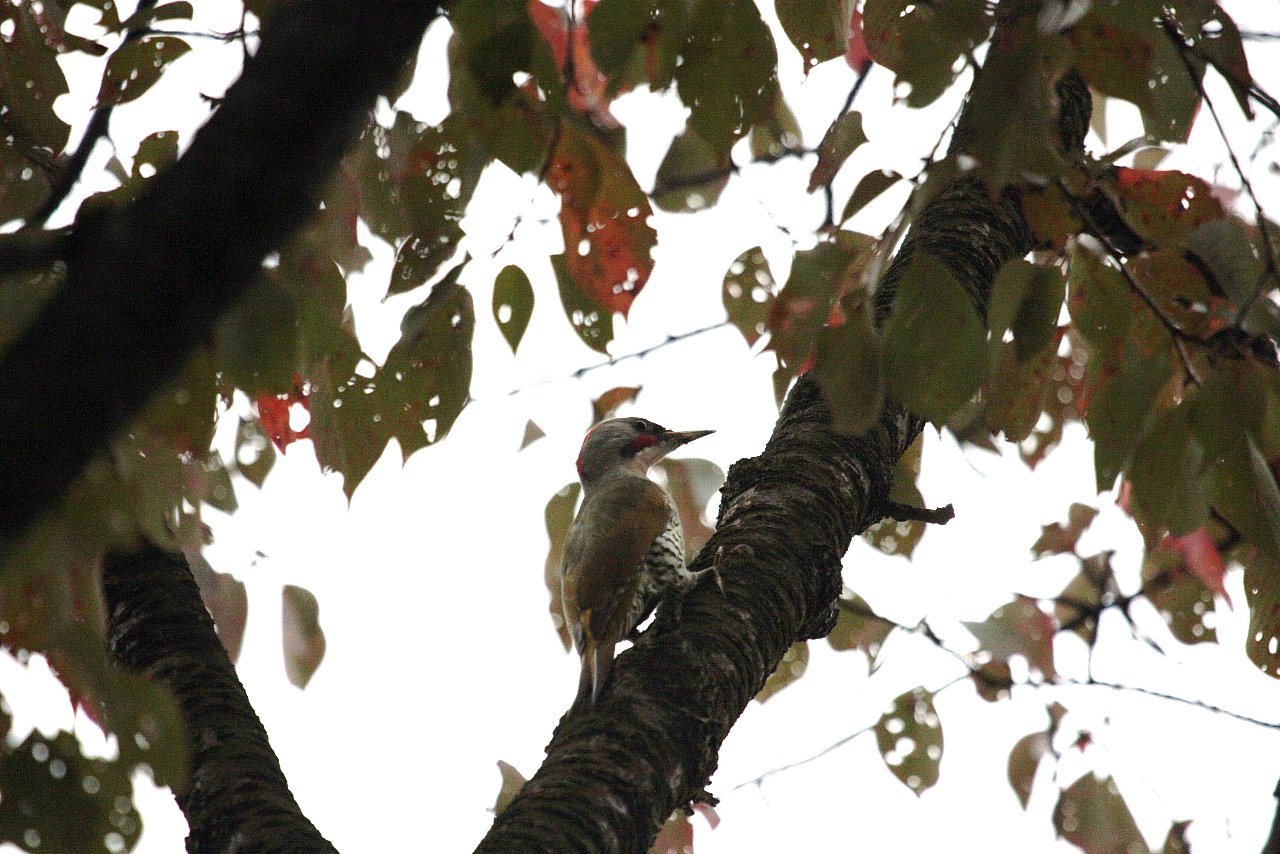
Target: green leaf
<point x="593" y="324"/>
<point x="692" y="174"/>
<point x="518" y="131"/>
<point x="1024" y="759"/>
<point x="869" y="188"/>
<point x="1170" y="475"/>
<point x="177" y="11"/>
<point x="794" y="662"/>
<point x="1262" y="589"/>
<point x="257" y="341"/>
<point x="155" y="152"/>
<point x="841" y="139"/>
<point x="849" y="369"/>
<point x="778" y="134"/>
<point x="1092" y="815"/>
<point x="729" y="71"/>
<point x="58" y="799"/>
<point x="1017" y="392"/>
<point x="1122" y="409"/>
<point x="1181" y="599"/>
<point x="819" y="276"/>
<point x="512" y="303"/>
<point x="819" y="29"/>
<point x="1101" y="307"/>
<point x="1212" y="33"/>
<point x="909" y="737"/>
<point x="1027" y="300"/>
<point x="1224" y="247"/>
<point x="748" y="294"/>
<point x="935" y="344"/>
<point x="616" y="31"/>
<point x="921" y="42"/>
<point x="857" y="628"/>
<point x="137" y="66"/>
<point x="304" y="642"/>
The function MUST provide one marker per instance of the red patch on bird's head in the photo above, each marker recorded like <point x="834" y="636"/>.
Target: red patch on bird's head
<point x="642" y="442"/>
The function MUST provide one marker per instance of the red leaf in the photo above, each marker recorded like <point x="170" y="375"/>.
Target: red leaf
<point x="273" y="413"/>
<point x="1200" y="555"/>
<point x="604" y="214"/>
<point x="588" y="90"/>
<point x="1165" y="206"/>
<point x="858" y="57"/>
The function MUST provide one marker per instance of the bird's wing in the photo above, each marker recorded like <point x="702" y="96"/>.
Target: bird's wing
<point x="600" y="570"/>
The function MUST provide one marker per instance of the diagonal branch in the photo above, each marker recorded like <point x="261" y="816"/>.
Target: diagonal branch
<point x="145" y="285"/>
<point x="237" y="797"/>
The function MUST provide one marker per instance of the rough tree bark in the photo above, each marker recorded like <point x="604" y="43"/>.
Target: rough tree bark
<point x="614" y="774"/>
<point x="237" y="798"/>
<point x="145" y="284"/>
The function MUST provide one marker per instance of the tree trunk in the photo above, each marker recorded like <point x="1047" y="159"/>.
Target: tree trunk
<point x="649" y="746"/>
<point x="237" y="798"/>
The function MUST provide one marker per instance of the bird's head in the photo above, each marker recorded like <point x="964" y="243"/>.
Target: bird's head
<point x="629" y="444"/>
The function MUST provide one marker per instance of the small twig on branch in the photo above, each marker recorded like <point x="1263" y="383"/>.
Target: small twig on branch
<point x="907" y="513"/>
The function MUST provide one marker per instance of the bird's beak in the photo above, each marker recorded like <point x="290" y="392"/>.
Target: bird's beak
<point x="677" y="439"/>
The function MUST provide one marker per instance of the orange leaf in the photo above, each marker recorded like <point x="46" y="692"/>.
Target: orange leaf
<point x="1200" y="555"/>
<point x="273" y="413"/>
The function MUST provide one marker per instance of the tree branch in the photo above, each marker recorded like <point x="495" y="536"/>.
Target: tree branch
<point x="237" y="797"/>
<point x="616" y="771"/>
<point x="146" y="284"/>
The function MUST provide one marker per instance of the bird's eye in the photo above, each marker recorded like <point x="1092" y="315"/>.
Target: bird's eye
<point x="640" y="425"/>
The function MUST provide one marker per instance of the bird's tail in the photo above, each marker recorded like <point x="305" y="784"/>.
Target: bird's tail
<point x="597" y="661"/>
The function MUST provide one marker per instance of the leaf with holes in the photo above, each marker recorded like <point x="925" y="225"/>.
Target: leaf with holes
<point x="841" y="139"/>
<point x="1179" y="596"/>
<point x="921" y="42"/>
<point x="819" y="277"/>
<point x="748" y="294"/>
<point x="254" y="452"/>
<point x="304" y="641"/>
<point x="1092" y="815"/>
<point x="137" y="66"/>
<point x="1024" y="760"/>
<point x="819" y="29"/>
<point x="593" y="324"/>
<point x="692" y="174"/>
<point x="512" y="303"/>
<point x="909" y="736"/>
<point x="605" y="219"/>
<point x="794" y="662"/>
<point x="891" y="536"/>
<point x="1165" y="208"/>
<point x="934" y="342"/>
<point x="1018" y="628"/>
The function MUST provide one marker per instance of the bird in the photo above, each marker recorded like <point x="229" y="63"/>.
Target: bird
<point x="625" y="549"/>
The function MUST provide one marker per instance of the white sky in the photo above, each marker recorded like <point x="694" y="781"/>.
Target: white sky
<point x="441" y="657"/>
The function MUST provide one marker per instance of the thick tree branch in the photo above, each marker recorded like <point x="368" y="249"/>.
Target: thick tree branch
<point x="144" y="285"/>
<point x="615" y="772"/>
<point x="237" y="797"/>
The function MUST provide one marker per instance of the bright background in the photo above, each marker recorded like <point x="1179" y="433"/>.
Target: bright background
<point x="441" y="657"/>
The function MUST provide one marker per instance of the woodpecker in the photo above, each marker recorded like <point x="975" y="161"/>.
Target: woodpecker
<point x="625" y="549"/>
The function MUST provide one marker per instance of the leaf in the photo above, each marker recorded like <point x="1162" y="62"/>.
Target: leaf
<point x="748" y="294"/>
<point x="1180" y="597"/>
<point x="304" y="641"/>
<point x="794" y="662"/>
<point x="692" y="482"/>
<point x="274" y="417"/>
<point x="176" y="11"/>
<point x="532" y="433"/>
<point x="778" y="134"/>
<point x="512" y="782"/>
<point x="1122" y="409"/>
<point x="1091" y="815"/>
<point x="841" y="139"/>
<point x="558" y="517"/>
<point x="1093" y="587"/>
<point x="607" y="404"/>
<point x="870" y="186"/>
<point x="857" y="628"/>
<point x="137" y="66"/>
<point x="819" y="276"/>
<point x="1165" y="208"/>
<point x="728" y="71"/>
<point x="1211" y="32"/>
<point x="226" y="600"/>
<point x="692" y="174"/>
<point x="934" y="342"/>
<point x="617" y="29"/>
<point x="512" y="304"/>
<point x="1059" y="539"/>
<point x="1024" y="759"/>
<point x="1018" y="393"/>
<point x="857" y="56"/>
<point x="593" y="324"/>
<point x="155" y="152"/>
<point x="909" y="737"/>
<point x="258" y="343"/>
<point x="849" y="369"/>
<point x="1026" y="300"/>
<point x="819" y="29"/>
<point x="1170" y="476"/>
<point x="1018" y="628"/>
<point x="1175" y="841"/>
<point x="921" y="42"/>
<point x="58" y="799"/>
<point x="1050" y="216"/>
<point x="1224" y="248"/>
<point x="254" y="452"/>
<point x="605" y="218"/>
